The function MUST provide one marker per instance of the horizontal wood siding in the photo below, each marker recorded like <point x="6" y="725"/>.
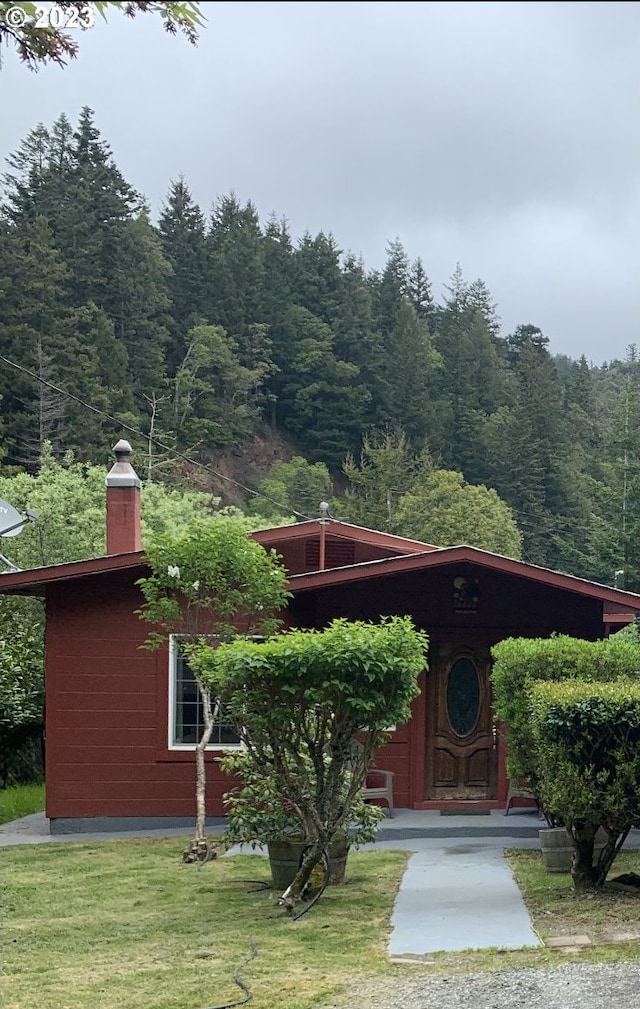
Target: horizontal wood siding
<point x="106" y="744"/>
<point x="107" y="699"/>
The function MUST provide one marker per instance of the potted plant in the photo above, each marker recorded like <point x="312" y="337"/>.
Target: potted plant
<point x="258" y="816"/>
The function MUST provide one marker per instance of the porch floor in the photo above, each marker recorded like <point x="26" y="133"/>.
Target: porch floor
<point x="407" y="823"/>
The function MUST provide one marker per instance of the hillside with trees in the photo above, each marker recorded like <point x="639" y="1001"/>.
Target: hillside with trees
<point x="208" y="339"/>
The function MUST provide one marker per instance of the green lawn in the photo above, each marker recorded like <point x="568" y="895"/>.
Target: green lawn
<point x="557" y="909"/>
<point x="20" y="801"/>
<point x="126" y="925"/>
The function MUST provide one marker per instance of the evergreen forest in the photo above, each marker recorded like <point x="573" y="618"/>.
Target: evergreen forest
<point x="238" y="359"/>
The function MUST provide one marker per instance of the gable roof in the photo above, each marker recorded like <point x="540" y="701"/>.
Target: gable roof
<point x="341" y="530"/>
<point x="411" y="556"/>
<point x="34" y="581"/>
<point x="617" y="600"/>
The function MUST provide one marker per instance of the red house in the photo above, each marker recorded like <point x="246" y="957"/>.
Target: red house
<point x="121" y="722"/>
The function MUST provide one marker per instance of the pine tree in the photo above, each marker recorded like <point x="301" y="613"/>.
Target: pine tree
<point x="278" y="266"/>
<point x="472" y="382"/>
<point x="317" y="276"/>
<point x="419" y="292"/>
<point x="235" y="266"/>
<point x="141" y="303"/>
<point x="182" y="234"/>
<point x="530" y="462"/>
<point x="404" y="373"/>
<point x="320" y="400"/>
<point x="384" y="473"/>
<point x="72" y="349"/>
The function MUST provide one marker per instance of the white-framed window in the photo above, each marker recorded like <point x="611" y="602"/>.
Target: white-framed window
<point x="186" y="722"/>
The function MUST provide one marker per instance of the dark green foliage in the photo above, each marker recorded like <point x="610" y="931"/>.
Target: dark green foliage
<point x="21" y="690"/>
<point x="518" y="663"/>
<point x="293" y="488"/>
<point x="587" y="738"/>
<point x="208" y="333"/>
<point x="182" y="234"/>
<point x="385" y="472"/>
<point x="321" y="400"/>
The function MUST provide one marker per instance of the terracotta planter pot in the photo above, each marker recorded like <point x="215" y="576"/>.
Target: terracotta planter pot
<point x="557" y="848"/>
<point x="285" y="855"/>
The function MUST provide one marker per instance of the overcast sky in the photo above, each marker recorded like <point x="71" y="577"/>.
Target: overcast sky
<point x="503" y="136"/>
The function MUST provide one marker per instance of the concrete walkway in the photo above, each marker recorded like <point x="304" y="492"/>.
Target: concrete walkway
<point x="457" y="892"/>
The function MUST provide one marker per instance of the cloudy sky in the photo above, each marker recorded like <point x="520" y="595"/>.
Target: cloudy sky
<point x="503" y="136"/>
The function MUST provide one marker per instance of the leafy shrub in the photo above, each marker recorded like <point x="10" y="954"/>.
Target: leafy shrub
<point x="520" y="662"/>
<point x="587" y="741"/>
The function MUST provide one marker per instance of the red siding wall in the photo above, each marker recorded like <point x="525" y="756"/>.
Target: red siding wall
<point x="106" y="733"/>
<point x="107" y="700"/>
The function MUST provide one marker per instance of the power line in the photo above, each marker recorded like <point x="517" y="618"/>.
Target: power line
<point x="154" y="441"/>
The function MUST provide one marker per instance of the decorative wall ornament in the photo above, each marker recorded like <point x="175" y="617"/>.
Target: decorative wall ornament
<point x="466" y="594"/>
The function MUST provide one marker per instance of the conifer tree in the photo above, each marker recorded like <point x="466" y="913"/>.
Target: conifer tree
<point x="182" y="235"/>
<point x="235" y="266"/>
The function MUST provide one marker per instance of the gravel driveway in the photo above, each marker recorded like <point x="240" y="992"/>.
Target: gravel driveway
<point x="574" y="986"/>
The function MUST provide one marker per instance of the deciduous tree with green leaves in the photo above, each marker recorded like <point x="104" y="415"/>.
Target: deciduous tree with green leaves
<point x="210" y="581"/>
<point x="299" y="699"/>
<point x="442" y="508"/>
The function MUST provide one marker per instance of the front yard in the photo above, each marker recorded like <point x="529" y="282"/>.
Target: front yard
<point x="124" y="924"/>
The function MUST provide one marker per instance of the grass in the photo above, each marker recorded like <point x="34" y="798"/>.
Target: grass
<point x="20" y="800"/>
<point x="557" y="909"/>
<point x="124" y="924"/>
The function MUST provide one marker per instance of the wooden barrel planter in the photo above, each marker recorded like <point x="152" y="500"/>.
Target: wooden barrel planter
<point x="285" y="855"/>
<point x="557" y="848"/>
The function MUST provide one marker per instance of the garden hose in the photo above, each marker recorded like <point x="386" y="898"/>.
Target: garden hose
<point x="325" y="882"/>
<point x="240" y="983"/>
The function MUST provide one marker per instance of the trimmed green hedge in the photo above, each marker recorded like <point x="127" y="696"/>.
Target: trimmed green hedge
<point x="521" y="662"/>
<point x="588" y="743"/>
<point x="571" y="709"/>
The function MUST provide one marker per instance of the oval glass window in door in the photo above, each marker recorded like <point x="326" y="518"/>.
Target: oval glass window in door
<point x="463" y="696"/>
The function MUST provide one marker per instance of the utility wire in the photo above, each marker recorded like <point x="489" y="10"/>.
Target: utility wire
<point x="154" y="441"/>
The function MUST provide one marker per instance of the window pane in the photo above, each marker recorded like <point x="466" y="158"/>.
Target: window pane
<point x="189" y="722"/>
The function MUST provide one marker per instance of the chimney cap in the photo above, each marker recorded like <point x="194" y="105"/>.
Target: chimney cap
<point x="122" y="473"/>
<point x="122" y="448"/>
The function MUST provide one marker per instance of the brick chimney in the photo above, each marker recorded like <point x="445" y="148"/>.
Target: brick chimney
<point x="123" y="503"/>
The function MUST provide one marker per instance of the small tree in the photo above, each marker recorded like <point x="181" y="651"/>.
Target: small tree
<point x="299" y="699"/>
<point x="211" y="580"/>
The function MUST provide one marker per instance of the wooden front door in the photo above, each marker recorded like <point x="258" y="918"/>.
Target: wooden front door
<point x="461" y="743"/>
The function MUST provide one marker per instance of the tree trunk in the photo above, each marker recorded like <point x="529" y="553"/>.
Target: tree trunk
<point x="199" y="849"/>
<point x="583" y="872"/>
<point x="608" y="854"/>
<point x="312" y="857"/>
